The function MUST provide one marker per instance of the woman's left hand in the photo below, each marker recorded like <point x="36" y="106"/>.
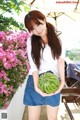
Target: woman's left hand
<point x="56" y="92"/>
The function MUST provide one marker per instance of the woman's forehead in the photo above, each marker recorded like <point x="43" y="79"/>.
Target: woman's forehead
<point x="34" y="22"/>
<point x="31" y="24"/>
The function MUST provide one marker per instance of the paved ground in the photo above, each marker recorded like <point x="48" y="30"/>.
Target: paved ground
<point x="62" y="115"/>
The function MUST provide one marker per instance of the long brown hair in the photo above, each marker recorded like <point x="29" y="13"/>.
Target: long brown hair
<point x="53" y="40"/>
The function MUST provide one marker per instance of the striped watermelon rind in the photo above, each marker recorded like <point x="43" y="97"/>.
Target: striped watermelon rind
<point x="48" y="82"/>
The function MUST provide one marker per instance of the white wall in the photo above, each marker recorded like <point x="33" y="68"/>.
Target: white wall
<point x="16" y="107"/>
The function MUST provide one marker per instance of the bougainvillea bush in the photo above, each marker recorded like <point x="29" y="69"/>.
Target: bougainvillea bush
<point x="13" y="64"/>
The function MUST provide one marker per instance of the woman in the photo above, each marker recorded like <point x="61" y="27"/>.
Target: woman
<point x="44" y="53"/>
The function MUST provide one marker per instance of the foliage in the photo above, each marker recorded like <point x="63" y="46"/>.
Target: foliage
<point x="9" y="23"/>
<point x="13" y="64"/>
<point x="11" y="6"/>
<point x="73" y="54"/>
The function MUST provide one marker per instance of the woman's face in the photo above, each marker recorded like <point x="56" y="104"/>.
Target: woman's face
<point x="39" y="29"/>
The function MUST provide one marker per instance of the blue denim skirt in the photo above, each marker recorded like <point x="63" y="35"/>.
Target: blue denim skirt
<point x="32" y="98"/>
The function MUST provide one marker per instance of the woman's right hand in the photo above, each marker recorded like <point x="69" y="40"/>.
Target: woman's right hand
<point x="42" y="93"/>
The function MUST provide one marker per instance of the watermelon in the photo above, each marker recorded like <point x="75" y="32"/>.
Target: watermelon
<point x="48" y="82"/>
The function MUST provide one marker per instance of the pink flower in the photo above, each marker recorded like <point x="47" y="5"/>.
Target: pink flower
<point x="7" y="65"/>
<point x="3" y="75"/>
<point x="14" y="64"/>
<point x="12" y="37"/>
<point x="2" y="53"/>
<point x="6" y="105"/>
<point x="2" y="36"/>
<point x="10" y="59"/>
<point x="22" y="38"/>
<point x="10" y="88"/>
<point x="21" y="53"/>
<point x="3" y="88"/>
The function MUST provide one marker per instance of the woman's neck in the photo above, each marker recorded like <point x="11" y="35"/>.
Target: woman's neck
<point x="45" y="39"/>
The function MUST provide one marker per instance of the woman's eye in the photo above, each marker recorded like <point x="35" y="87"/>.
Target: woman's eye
<point x="38" y="24"/>
<point x="31" y="29"/>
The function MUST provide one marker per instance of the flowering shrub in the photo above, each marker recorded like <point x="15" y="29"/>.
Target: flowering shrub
<point x="13" y="64"/>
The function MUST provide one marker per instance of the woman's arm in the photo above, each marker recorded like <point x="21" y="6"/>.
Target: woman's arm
<point x="34" y="69"/>
<point x="61" y="70"/>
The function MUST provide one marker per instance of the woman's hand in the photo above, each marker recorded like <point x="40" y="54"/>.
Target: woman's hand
<point x="45" y="94"/>
<point x="40" y="92"/>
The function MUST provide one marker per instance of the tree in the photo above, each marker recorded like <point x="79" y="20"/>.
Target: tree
<point x="11" y="6"/>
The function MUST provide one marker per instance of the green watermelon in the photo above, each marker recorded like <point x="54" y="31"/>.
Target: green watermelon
<point x="48" y="82"/>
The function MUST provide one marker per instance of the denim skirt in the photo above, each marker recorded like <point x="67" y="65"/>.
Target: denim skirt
<point x="32" y="98"/>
